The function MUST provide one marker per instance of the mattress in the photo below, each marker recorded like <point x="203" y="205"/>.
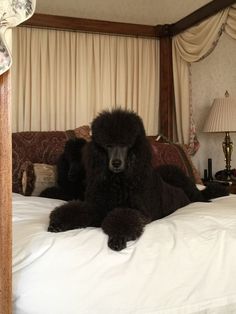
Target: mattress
<point x="184" y="263"/>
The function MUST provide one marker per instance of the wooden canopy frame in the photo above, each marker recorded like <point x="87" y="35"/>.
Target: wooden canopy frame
<point x="163" y="32"/>
<point x="5" y="195"/>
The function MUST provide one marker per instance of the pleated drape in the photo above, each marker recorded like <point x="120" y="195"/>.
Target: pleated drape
<point x="190" y="46"/>
<point x="62" y="79"/>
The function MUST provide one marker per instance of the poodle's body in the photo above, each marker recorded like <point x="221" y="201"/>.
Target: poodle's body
<point x="123" y="190"/>
<point x="71" y="175"/>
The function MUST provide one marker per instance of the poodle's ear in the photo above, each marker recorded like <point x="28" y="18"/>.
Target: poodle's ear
<point x="74" y="148"/>
<point x="141" y="146"/>
<point x="95" y="159"/>
<point x="139" y="158"/>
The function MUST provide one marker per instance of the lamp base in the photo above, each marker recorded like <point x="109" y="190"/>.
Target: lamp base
<point x="227" y="146"/>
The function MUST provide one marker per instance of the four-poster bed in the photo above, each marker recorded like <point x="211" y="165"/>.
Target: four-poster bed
<point x="166" y="111"/>
<point x="5" y="195"/>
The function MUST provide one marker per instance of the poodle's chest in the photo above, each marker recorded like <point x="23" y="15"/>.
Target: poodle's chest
<point x="118" y="192"/>
<point x="115" y="191"/>
<point x="111" y="191"/>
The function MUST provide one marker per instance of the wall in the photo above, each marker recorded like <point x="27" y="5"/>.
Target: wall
<point x="211" y="77"/>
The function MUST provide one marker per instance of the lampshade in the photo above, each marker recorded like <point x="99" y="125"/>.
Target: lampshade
<point x="222" y="116"/>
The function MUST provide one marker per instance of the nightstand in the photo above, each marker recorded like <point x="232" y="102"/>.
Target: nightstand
<point x="233" y="187"/>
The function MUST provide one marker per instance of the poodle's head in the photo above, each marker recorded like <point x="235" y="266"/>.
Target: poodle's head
<point x="121" y="135"/>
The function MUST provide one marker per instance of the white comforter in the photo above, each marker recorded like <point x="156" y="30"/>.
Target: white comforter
<point x="184" y="263"/>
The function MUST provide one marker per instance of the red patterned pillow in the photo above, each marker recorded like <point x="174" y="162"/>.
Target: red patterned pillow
<point x="174" y="154"/>
<point x="83" y="132"/>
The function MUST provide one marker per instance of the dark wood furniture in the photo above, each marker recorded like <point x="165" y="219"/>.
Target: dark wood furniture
<point x="233" y="187"/>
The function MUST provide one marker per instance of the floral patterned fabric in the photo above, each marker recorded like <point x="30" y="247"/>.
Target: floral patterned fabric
<point x="12" y="13"/>
<point x="84" y="132"/>
<point x="26" y="178"/>
<point x="39" y="147"/>
<point x="36" y="147"/>
<point x="34" y="178"/>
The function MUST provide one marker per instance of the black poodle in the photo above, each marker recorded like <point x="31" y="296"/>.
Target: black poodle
<point x="123" y="190"/>
<point x="71" y="175"/>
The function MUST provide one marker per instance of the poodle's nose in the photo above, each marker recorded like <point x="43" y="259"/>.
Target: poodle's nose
<point x="116" y="163"/>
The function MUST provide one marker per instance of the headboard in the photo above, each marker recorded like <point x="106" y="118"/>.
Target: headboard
<point x="46" y="147"/>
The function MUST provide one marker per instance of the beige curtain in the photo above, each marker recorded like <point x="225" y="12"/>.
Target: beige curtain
<point x="191" y="46"/>
<point x="62" y="79"/>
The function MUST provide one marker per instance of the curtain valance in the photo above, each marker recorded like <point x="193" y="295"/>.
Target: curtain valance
<point x="191" y="46"/>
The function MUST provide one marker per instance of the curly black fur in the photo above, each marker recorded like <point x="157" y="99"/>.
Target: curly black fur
<point x="123" y="190"/>
<point x="71" y="176"/>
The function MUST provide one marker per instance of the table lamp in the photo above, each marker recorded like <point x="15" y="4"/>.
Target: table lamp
<point x="222" y="118"/>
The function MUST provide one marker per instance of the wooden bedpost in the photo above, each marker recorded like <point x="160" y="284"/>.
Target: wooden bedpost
<point x="5" y="196"/>
<point x="166" y="109"/>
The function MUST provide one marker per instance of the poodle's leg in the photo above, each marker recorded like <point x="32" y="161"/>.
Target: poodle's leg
<point x="173" y="175"/>
<point x="122" y="225"/>
<point x="214" y="190"/>
<point x="56" y="193"/>
<point x="172" y="198"/>
<point x="73" y="215"/>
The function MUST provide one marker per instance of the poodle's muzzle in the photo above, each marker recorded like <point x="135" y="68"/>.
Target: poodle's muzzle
<point x="117" y="157"/>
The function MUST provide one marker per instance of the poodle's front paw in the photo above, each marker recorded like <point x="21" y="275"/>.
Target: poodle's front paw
<point x="72" y="215"/>
<point x="63" y="218"/>
<point x="56" y="223"/>
<point x="123" y="225"/>
<point x="53" y="227"/>
<point x="117" y="243"/>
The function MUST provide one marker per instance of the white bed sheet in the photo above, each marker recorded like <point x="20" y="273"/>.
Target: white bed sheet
<point x="184" y="263"/>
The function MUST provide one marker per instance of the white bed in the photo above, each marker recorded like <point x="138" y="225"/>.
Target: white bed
<point x="184" y="263"/>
